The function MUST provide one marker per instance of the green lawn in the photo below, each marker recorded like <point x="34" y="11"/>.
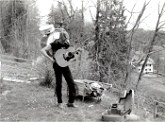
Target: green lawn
<point x="31" y="102"/>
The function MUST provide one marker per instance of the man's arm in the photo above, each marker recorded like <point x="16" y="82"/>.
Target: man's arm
<point x="45" y="51"/>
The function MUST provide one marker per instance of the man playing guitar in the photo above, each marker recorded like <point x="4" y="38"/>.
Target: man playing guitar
<point x="57" y="40"/>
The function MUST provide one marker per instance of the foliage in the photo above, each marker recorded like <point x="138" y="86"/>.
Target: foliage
<point x="141" y="39"/>
<point x="152" y="42"/>
<point x="110" y="50"/>
<point x="80" y="34"/>
<point x="45" y="71"/>
<point x="72" y="20"/>
<point x="110" y="46"/>
<point x="16" y="32"/>
<point x="47" y="80"/>
<point x="33" y="35"/>
<point x="12" y="16"/>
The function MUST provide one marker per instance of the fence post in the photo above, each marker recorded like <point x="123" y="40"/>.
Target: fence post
<point x="0" y="71"/>
<point x="156" y="109"/>
<point x="1" y="83"/>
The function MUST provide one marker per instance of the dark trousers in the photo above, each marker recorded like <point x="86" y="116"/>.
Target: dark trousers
<point x="65" y="71"/>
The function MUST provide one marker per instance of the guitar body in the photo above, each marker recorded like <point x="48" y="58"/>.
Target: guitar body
<point x="65" y="57"/>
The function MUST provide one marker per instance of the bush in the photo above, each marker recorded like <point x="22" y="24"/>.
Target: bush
<point x="47" y="80"/>
<point x="45" y="71"/>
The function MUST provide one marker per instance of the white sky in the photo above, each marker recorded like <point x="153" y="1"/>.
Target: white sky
<point x="150" y="14"/>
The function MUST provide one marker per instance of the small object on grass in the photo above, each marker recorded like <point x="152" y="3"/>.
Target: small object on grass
<point x="90" y="105"/>
<point x="33" y="78"/>
<point x="5" y="92"/>
<point x="122" y="110"/>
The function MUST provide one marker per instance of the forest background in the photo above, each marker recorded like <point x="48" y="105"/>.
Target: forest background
<point x="109" y="44"/>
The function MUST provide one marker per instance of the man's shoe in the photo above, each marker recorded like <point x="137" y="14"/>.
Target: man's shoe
<point x="60" y="105"/>
<point x="71" y="105"/>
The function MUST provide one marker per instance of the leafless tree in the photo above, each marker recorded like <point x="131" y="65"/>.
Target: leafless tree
<point x="131" y="34"/>
<point x="159" y="25"/>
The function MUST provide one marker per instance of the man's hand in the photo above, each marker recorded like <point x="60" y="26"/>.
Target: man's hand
<point x="52" y="60"/>
<point x="44" y="52"/>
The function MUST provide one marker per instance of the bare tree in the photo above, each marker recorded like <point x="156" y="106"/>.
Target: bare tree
<point x="97" y="35"/>
<point x="109" y="50"/>
<point x="131" y="34"/>
<point x="159" y="25"/>
<point x="19" y="27"/>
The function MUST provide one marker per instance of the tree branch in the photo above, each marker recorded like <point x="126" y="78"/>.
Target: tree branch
<point x="160" y="13"/>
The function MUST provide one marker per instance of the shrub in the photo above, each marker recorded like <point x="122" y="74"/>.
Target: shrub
<point x="45" y="71"/>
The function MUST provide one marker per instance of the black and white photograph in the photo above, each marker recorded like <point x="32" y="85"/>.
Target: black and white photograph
<point x="82" y="60"/>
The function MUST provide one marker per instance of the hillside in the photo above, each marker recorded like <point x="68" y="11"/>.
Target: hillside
<point x="31" y="102"/>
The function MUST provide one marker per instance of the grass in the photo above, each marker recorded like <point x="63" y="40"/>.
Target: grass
<point x="31" y="102"/>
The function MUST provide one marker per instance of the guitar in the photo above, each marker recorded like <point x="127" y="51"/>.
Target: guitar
<point x="65" y="57"/>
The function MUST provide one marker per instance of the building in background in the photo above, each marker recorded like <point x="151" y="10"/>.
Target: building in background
<point x="138" y="60"/>
<point x="149" y="67"/>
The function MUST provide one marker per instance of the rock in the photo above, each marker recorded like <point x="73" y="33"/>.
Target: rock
<point x="5" y="92"/>
<point x="132" y="117"/>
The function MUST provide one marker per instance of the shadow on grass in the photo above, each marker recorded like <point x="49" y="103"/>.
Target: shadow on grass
<point x="87" y="99"/>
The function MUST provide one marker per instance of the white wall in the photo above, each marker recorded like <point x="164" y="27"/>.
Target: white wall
<point x="148" y="68"/>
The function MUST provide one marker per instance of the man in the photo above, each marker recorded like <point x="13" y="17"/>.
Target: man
<point x="57" y="40"/>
